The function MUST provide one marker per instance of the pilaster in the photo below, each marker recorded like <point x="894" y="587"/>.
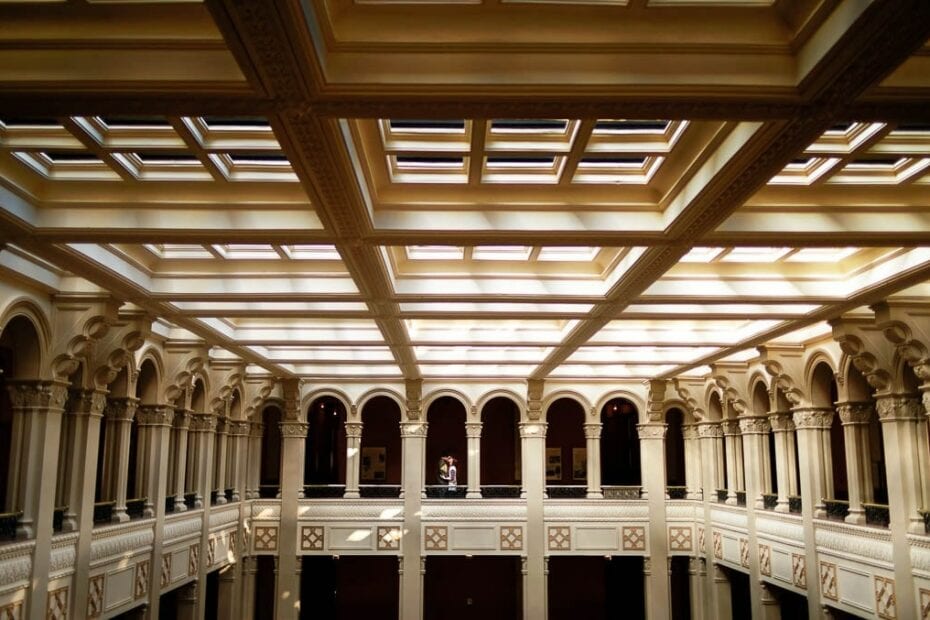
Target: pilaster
<point x="783" y="430"/>
<point x="353" y="458"/>
<point x="293" y="436"/>
<point x="413" y="437"/>
<point x="592" y="435"/>
<point x="533" y="438"/>
<point x="652" y="450"/>
<point x="182" y="420"/>
<point x="473" y="434"/>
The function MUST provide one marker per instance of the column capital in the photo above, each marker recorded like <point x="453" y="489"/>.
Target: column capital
<point x="754" y="425"/>
<point x="812" y="417"/>
<point x="709" y="429"/>
<point x="182" y="419"/>
<point x="238" y="428"/>
<point x="533" y="429"/>
<point x="853" y="413"/>
<point x="255" y="428"/>
<point x="87" y="402"/>
<point x="203" y="422"/>
<point x="689" y="431"/>
<point x="154" y="415"/>
<point x="473" y="429"/>
<point x="730" y="427"/>
<point x="781" y="421"/>
<point x="592" y="430"/>
<point x="413" y="429"/>
<point x="294" y="430"/>
<point x="898" y="407"/>
<point x="122" y="409"/>
<point x="652" y="430"/>
<point x="38" y="394"/>
<point x="354" y="429"/>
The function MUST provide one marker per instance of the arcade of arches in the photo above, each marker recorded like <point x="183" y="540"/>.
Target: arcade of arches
<point x="460" y="309"/>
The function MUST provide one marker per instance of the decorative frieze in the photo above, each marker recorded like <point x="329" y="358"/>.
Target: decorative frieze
<point x="121" y="540"/>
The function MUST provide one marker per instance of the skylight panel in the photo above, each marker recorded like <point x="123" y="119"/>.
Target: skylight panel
<point x="426" y="161"/>
<point x="613" y="162"/>
<point x="259" y="159"/>
<point x="582" y="253"/>
<point x="615" y="126"/>
<point x="167" y="158"/>
<point x="501" y="252"/>
<point x="236" y="122"/>
<point x="435" y="252"/>
<point x="134" y="122"/>
<point x="313" y="252"/>
<point x="754" y="255"/>
<point x="33" y="121"/>
<point x="504" y="161"/>
<point x="529" y="125"/>
<point x="839" y="128"/>
<point x="72" y="157"/>
<point x="428" y="126"/>
<point x="701" y="255"/>
<point x="247" y="251"/>
<point x="820" y="255"/>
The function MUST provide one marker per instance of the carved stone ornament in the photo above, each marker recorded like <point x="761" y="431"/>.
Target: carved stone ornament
<point x="413" y="429"/>
<point x="730" y="427"/>
<point x="38" y="395"/>
<point x="709" y="429"/>
<point x="354" y="429"/>
<point x="473" y="429"/>
<point x="813" y="417"/>
<point x="781" y="421"/>
<point x="294" y="430"/>
<point x="532" y="429"/>
<point x="855" y="413"/>
<point x="898" y="408"/>
<point x="203" y="423"/>
<point x="865" y="362"/>
<point x="121" y="409"/>
<point x="87" y="402"/>
<point x="754" y="425"/>
<point x="155" y="415"/>
<point x="592" y="431"/>
<point x="651" y="431"/>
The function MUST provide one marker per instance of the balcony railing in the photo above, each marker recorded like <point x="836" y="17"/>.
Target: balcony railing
<point x="379" y="490"/>
<point x="495" y="491"/>
<point x="926" y="516"/>
<point x="769" y="501"/>
<point x="566" y="491"/>
<point x="794" y="504"/>
<point x="103" y="512"/>
<point x="321" y="491"/>
<point x="677" y="492"/>
<point x="214" y="495"/>
<point x="169" y="504"/>
<point x="8" y="522"/>
<point x="58" y="518"/>
<point x="622" y="492"/>
<point x="135" y="507"/>
<point x="268" y="491"/>
<point x="876" y="514"/>
<point x="837" y="509"/>
<point x="443" y="491"/>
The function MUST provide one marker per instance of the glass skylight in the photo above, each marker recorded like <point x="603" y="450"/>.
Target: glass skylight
<point x="701" y="255"/>
<point x="820" y="255"/>
<point x="581" y="253"/>
<point x="754" y="255"/>
<point x="501" y="252"/>
<point x="435" y="252"/>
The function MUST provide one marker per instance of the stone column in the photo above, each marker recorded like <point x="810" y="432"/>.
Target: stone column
<point x="723" y="606"/>
<point x="692" y="461"/>
<point x="249" y="571"/>
<point x="187" y="602"/>
<point x="194" y="464"/>
<point x="901" y="416"/>
<point x="473" y="433"/>
<point x="87" y="411"/>
<point x="592" y="436"/>
<point x="413" y="436"/>
<point x="238" y="456"/>
<point x="38" y="405"/>
<point x="783" y="429"/>
<point x="119" y="414"/>
<point x="697" y="573"/>
<point x="293" y="436"/>
<point x="219" y="476"/>
<point x="205" y="425"/>
<point x="533" y="436"/>
<point x="182" y="421"/>
<point x="255" y="460"/>
<point x="156" y="420"/>
<point x="855" y="419"/>
<point x="652" y="454"/>
<point x="754" y="431"/>
<point x="227" y="590"/>
<point x="711" y="436"/>
<point x="813" y="425"/>
<point x="732" y="439"/>
<point x="771" y="610"/>
<point x="353" y="458"/>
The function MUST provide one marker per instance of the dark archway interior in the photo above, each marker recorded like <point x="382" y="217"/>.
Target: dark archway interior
<point x="325" y="448"/>
<point x="620" y="464"/>
<point x="500" y="442"/>
<point x="566" y="460"/>
<point x="445" y="436"/>
<point x="380" y="439"/>
<point x="674" y="449"/>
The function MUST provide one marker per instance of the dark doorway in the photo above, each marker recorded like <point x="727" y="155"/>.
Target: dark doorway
<point x="477" y="587"/>
<point x="595" y="587"/>
<point x="325" y="448"/>
<point x="380" y="437"/>
<point x="212" y="594"/>
<point x="270" y="471"/>
<point x="680" y="586"/>
<point x="620" y="463"/>
<point x="445" y="436"/>
<point x="565" y="439"/>
<point x="500" y="442"/>
<point x="349" y="587"/>
<point x="265" y="595"/>
<point x="674" y="449"/>
<point x="739" y="594"/>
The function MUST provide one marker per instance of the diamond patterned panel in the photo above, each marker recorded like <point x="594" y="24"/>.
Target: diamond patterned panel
<point x="57" y="604"/>
<point x="765" y="560"/>
<point x="828" y="580"/>
<point x="388" y="538"/>
<point x="266" y="538"/>
<point x="511" y="538"/>
<point x="193" y="560"/>
<point x="560" y="538"/>
<point x="436" y="538"/>
<point x="799" y="570"/>
<point x="718" y="546"/>
<point x="142" y="580"/>
<point x="311" y="538"/>
<point x="885" y="603"/>
<point x="744" y="552"/>
<point x="95" y="596"/>
<point x="634" y="538"/>
<point x="679" y="538"/>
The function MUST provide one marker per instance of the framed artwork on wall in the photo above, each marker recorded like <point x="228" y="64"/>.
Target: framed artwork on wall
<point x="579" y="464"/>
<point x="553" y="464"/>
<point x="374" y="464"/>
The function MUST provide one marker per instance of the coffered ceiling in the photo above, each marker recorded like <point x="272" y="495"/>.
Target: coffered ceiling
<point x="375" y="190"/>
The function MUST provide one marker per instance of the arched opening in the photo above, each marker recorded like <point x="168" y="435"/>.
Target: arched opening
<point x="269" y="481"/>
<point x="566" y="454"/>
<point x="675" y="454"/>
<point x="325" y="448"/>
<point x="620" y="463"/>
<point x="69" y="453"/>
<point x="233" y="457"/>
<point x="138" y="495"/>
<point x="824" y="394"/>
<point x="500" y="447"/>
<point x="721" y="473"/>
<point x="445" y="436"/>
<point x="381" y="452"/>
<point x="760" y="407"/>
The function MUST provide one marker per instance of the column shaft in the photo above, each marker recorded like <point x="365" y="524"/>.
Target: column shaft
<point x="652" y="454"/>
<point x="592" y="434"/>
<point x="182" y="420"/>
<point x="353" y="458"/>
<point x="293" y="434"/>
<point x="855" y="418"/>
<point x="533" y="436"/>
<point x="782" y="427"/>
<point x="119" y="414"/>
<point x="219" y="476"/>
<point x="473" y="432"/>
<point x="413" y="436"/>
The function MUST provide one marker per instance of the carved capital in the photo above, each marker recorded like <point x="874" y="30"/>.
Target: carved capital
<point x="855" y="413"/>
<point x="121" y="409"/>
<point x="651" y="431"/>
<point x="354" y="430"/>
<point x="473" y="429"/>
<point x="155" y="415"/>
<point x="781" y="422"/>
<point x="592" y="431"/>
<point x="182" y="419"/>
<point x="532" y="429"/>
<point x="689" y="431"/>
<point x="413" y="429"/>
<point x="38" y="395"/>
<point x="709" y="429"/>
<point x="294" y="430"/>
<point x="86" y="402"/>
<point x="898" y="408"/>
<point x="730" y="427"/>
<point x="754" y="425"/>
<point x="203" y="423"/>
<point x="812" y="417"/>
